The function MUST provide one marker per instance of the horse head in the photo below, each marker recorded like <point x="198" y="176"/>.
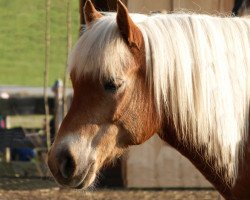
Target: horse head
<point x="112" y="106"/>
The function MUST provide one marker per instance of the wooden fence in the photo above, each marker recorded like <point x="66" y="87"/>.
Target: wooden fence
<point x="155" y="164"/>
<point x="147" y="6"/>
<point x="201" y="6"/>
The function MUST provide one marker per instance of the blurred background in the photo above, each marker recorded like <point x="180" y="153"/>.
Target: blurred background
<point x="35" y="93"/>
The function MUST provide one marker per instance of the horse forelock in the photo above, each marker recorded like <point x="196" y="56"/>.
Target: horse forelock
<point x="100" y="51"/>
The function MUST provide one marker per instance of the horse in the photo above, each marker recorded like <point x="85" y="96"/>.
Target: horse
<point x="185" y="77"/>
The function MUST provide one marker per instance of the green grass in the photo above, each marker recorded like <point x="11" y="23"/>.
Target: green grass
<point x="22" y="43"/>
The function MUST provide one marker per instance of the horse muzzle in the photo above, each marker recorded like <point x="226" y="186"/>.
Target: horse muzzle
<point x="71" y="171"/>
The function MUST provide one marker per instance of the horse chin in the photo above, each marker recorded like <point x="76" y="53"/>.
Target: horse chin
<point x="86" y="183"/>
<point x="87" y="178"/>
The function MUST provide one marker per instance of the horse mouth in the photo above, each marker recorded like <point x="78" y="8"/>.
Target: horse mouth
<point x="81" y="181"/>
<point x="87" y="178"/>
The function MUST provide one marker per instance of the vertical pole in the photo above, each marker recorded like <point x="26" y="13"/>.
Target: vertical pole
<point x="46" y="73"/>
<point x="69" y="45"/>
<point x="82" y="21"/>
<point x="81" y="5"/>
<point x="58" y="88"/>
<point x="237" y="6"/>
<point x="7" y="155"/>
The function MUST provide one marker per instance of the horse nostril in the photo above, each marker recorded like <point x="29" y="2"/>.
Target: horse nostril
<point x="67" y="165"/>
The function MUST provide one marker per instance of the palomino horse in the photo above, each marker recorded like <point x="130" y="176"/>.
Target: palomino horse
<point x="185" y="77"/>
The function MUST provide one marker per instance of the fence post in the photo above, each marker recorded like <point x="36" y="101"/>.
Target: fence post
<point x="69" y="44"/>
<point x="82" y="21"/>
<point x="7" y="155"/>
<point x="58" y="91"/>
<point x="46" y="72"/>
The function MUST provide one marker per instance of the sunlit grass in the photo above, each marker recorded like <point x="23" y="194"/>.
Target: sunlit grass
<point x="22" y="40"/>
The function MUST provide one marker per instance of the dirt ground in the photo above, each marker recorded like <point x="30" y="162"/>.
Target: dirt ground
<point x="32" y="189"/>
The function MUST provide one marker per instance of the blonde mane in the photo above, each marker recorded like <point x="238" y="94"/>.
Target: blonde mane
<point x="100" y="51"/>
<point x="198" y="67"/>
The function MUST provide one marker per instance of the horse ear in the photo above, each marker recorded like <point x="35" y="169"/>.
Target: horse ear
<point x="129" y="31"/>
<point x="90" y="13"/>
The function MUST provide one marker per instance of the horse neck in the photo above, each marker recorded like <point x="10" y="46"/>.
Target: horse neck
<point x="199" y="157"/>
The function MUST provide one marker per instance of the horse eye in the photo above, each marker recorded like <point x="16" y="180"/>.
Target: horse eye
<point x="111" y="86"/>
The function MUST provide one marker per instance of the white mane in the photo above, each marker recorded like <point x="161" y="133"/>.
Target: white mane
<point x="199" y="69"/>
